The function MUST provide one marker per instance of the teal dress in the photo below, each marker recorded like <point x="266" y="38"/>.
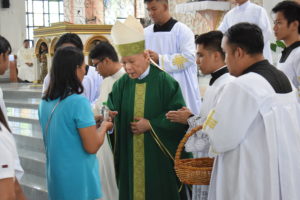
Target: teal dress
<point x="72" y="173"/>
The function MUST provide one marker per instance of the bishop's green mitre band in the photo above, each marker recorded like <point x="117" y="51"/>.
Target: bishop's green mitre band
<point x="131" y="48"/>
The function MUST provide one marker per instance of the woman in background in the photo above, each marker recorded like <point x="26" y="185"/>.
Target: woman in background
<point x="10" y="167"/>
<point x="43" y="51"/>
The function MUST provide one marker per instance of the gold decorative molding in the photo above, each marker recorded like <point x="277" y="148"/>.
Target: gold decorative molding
<point x="90" y="40"/>
<point x="64" y="27"/>
<point x="52" y="45"/>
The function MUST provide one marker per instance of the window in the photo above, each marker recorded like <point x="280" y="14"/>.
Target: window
<point x="41" y="13"/>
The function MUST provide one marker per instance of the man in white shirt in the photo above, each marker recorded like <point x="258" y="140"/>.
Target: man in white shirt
<point x="91" y="81"/>
<point x="254" y="130"/>
<point x="10" y="168"/>
<point x="171" y="45"/>
<point x="105" y="59"/>
<point x="25" y="63"/>
<point x="210" y="59"/>
<point x="287" y="28"/>
<point x="245" y="11"/>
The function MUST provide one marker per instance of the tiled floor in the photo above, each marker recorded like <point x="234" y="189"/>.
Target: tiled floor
<point x="26" y="129"/>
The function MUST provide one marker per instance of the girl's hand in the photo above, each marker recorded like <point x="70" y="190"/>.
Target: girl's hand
<point x="106" y="125"/>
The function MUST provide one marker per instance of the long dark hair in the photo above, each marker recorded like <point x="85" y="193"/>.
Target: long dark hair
<point x="4" y="45"/>
<point x="63" y="77"/>
<point x="41" y="49"/>
<point x="3" y="120"/>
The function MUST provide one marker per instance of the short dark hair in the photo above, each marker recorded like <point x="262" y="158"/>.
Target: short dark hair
<point x="69" y="38"/>
<point x="104" y="50"/>
<point x="164" y="1"/>
<point x="26" y="41"/>
<point x="63" y="76"/>
<point x="247" y="36"/>
<point x="211" y="41"/>
<point x="290" y="10"/>
<point x="4" y="45"/>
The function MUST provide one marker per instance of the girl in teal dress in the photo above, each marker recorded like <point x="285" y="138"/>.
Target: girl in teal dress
<point x="70" y="136"/>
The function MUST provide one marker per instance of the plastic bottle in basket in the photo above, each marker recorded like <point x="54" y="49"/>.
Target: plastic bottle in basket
<point x="104" y="111"/>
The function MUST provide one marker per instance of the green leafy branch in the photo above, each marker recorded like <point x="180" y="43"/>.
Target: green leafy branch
<point x="278" y="43"/>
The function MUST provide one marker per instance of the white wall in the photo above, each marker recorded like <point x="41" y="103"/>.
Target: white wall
<point x="269" y="4"/>
<point x="12" y="24"/>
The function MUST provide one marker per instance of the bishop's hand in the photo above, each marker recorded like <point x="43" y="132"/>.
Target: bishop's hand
<point x="140" y="125"/>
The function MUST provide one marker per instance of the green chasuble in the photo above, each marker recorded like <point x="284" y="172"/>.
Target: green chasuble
<point x="144" y="163"/>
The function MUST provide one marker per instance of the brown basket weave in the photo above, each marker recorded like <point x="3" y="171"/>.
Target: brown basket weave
<point x="194" y="171"/>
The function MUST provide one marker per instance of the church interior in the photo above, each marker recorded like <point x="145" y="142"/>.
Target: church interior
<point x="41" y="23"/>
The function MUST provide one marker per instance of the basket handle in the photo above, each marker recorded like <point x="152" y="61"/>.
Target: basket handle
<point x="184" y="140"/>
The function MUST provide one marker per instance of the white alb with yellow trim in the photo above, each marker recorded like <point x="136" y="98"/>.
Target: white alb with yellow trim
<point x="198" y="143"/>
<point x="176" y="51"/>
<point x="257" y="138"/>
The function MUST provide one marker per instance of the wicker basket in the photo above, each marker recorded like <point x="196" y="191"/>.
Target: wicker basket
<point x="195" y="171"/>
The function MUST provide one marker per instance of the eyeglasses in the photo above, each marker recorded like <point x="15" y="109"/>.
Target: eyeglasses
<point x="96" y="64"/>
